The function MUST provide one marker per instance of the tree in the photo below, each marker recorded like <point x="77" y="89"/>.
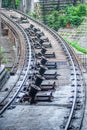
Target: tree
<point x="10" y="3"/>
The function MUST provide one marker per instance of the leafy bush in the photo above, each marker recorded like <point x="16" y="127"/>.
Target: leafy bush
<point x="81" y="10"/>
<point x="71" y="10"/>
<point x="17" y="2"/>
<point x="62" y="21"/>
<point x="32" y="14"/>
<point x="52" y="20"/>
<point x="76" y="20"/>
<point x="70" y="14"/>
<point x="10" y="3"/>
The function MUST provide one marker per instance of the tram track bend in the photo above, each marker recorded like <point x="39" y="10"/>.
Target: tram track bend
<point x="23" y="70"/>
<point x="77" y="104"/>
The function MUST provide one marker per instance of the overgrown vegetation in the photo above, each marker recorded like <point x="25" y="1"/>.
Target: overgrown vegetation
<point x="10" y="3"/>
<point x="76" y="46"/>
<point x="8" y="68"/>
<point x="17" y="2"/>
<point x="32" y="14"/>
<point x="70" y="15"/>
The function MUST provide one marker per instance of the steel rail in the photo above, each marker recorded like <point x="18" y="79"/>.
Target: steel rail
<point x="28" y="68"/>
<point x="66" y="46"/>
<point x="68" y="49"/>
<point x="57" y="37"/>
<point x="84" y="83"/>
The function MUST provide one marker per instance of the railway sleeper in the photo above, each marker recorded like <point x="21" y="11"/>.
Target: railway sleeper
<point x="36" y="29"/>
<point x="30" y="31"/>
<point x="51" y="65"/>
<point x="37" y="46"/>
<point x="62" y="126"/>
<point x="66" y="117"/>
<point x="74" y="117"/>
<point x="32" y="34"/>
<point x="69" y="105"/>
<point x="34" y="38"/>
<point x="31" y="26"/>
<point x="44" y="96"/>
<point x="72" y="127"/>
<point x="51" y="76"/>
<point x="78" y="107"/>
<point x="24" y="21"/>
<point x="46" y="87"/>
<point x="13" y="17"/>
<point x="40" y="34"/>
<point x="23" y="18"/>
<point x="45" y="39"/>
<point x="38" y="55"/>
<point x="50" y="55"/>
<point x="25" y="98"/>
<point x="47" y="45"/>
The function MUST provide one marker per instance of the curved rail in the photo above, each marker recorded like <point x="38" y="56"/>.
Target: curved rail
<point x="28" y="68"/>
<point x="69" y="52"/>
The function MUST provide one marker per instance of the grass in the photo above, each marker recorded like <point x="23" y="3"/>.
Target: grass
<point x="8" y="68"/>
<point x="76" y="46"/>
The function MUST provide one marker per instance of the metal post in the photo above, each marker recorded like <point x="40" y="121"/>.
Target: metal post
<point x="74" y="2"/>
<point x="0" y="16"/>
<point x="58" y="5"/>
<point x="44" y="14"/>
<point x="24" y="6"/>
<point x="32" y="5"/>
<point x="0" y="28"/>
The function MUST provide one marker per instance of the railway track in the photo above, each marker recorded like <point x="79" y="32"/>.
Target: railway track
<point x="24" y="65"/>
<point x="39" y="74"/>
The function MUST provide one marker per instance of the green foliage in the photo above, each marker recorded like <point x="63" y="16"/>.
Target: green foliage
<point x="76" y="20"/>
<point x="81" y="10"/>
<point x="70" y="14"/>
<point x="62" y="20"/>
<point x="10" y="3"/>
<point x="17" y="2"/>
<point x="52" y="20"/>
<point x="32" y="14"/>
<point x="76" y="46"/>
<point x="70" y="10"/>
<point x="8" y="68"/>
